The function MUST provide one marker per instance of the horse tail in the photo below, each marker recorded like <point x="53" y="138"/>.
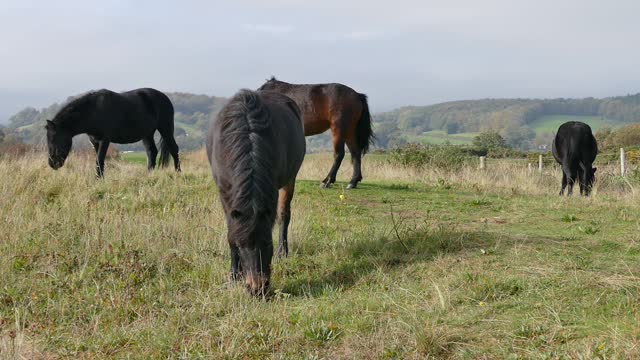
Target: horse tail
<point x="164" y="152"/>
<point x="245" y="125"/>
<point x="364" y="132"/>
<point x="165" y="115"/>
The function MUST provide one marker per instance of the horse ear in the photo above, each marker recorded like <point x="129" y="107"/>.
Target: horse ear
<point x="593" y="171"/>
<point x="50" y="125"/>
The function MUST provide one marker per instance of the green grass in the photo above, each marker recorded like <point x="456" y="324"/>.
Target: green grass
<point x="551" y="123"/>
<point x="440" y="137"/>
<point x="135" y="266"/>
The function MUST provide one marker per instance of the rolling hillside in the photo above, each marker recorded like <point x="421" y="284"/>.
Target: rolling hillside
<point x="524" y="123"/>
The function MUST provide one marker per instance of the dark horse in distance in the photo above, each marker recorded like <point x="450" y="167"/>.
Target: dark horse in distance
<point x="255" y="147"/>
<point x="336" y="107"/>
<point x="575" y="148"/>
<point x="121" y="118"/>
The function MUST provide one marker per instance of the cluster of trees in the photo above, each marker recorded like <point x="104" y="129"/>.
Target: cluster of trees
<point x="626" y="136"/>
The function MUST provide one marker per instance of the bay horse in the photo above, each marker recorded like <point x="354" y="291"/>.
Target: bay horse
<point x="121" y="118"/>
<point x="255" y="148"/>
<point x="336" y="107"/>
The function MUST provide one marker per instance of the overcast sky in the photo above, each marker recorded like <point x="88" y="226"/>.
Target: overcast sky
<point x="399" y="52"/>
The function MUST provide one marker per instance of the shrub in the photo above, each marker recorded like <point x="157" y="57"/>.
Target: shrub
<point x="612" y="156"/>
<point x="504" y="153"/>
<point x="488" y="140"/>
<point x="445" y="157"/>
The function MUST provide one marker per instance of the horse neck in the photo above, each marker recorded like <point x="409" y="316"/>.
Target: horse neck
<point x="76" y="126"/>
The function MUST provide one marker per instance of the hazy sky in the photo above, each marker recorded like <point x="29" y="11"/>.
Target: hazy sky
<point x="398" y="52"/>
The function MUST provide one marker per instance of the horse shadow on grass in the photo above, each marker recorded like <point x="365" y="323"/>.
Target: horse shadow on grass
<point x="361" y="257"/>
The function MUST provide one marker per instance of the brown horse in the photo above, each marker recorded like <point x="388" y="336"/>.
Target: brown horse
<point x="255" y="147"/>
<point x="336" y="107"/>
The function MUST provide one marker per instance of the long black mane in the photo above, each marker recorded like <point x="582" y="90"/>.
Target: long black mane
<point x="75" y="107"/>
<point x="248" y="144"/>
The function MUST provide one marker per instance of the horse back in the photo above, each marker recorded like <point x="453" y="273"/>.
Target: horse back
<point x="323" y="105"/>
<point x="574" y="143"/>
<point x="287" y="131"/>
<point x="154" y="102"/>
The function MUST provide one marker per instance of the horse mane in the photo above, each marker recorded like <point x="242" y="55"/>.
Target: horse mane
<point x="74" y="106"/>
<point x="244" y="123"/>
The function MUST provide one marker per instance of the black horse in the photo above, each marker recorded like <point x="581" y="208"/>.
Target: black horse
<point x="336" y="107"/>
<point x="255" y="147"/>
<point x="575" y="148"/>
<point x="121" y="118"/>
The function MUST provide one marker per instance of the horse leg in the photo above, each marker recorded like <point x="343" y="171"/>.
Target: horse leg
<point x="170" y="142"/>
<point x="95" y="143"/>
<point x="564" y="183"/>
<point x="338" y="155"/>
<point x="285" y="195"/>
<point x="101" y="155"/>
<point x="152" y="151"/>
<point x="571" y="178"/>
<point x="581" y="181"/>
<point x="235" y="274"/>
<point x="356" y="160"/>
<point x="173" y="148"/>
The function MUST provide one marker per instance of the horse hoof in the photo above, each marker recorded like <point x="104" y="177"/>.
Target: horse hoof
<point x="325" y="185"/>
<point x="352" y="186"/>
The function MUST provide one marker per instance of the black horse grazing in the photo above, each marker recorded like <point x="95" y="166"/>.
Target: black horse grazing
<point x="575" y="148"/>
<point x="255" y="147"/>
<point x="336" y="107"/>
<point x="121" y="118"/>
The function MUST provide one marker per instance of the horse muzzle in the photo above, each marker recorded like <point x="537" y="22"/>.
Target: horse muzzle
<point x="257" y="284"/>
<point x="55" y="165"/>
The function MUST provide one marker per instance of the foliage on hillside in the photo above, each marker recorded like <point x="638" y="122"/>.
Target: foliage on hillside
<point x="623" y="137"/>
<point x="511" y="117"/>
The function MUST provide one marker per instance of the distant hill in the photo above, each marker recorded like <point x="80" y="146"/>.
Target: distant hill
<point x="524" y="123"/>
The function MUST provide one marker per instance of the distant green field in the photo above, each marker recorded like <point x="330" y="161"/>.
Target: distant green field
<point x="440" y="137"/>
<point x="551" y="123"/>
<point x="137" y="157"/>
<point x="545" y="124"/>
<point x="189" y="129"/>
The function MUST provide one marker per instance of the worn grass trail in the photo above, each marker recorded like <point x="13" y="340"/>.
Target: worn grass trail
<point x="410" y="265"/>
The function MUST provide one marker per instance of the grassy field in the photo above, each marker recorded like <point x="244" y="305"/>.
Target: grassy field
<point x="440" y="137"/>
<point x="551" y="123"/>
<point x="413" y="264"/>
